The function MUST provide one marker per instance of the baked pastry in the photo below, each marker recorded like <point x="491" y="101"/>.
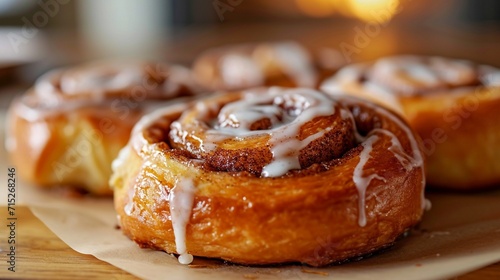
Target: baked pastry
<point x="452" y="104"/>
<point x="70" y="126"/>
<point x="284" y="63"/>
<point x="268" y="176"/>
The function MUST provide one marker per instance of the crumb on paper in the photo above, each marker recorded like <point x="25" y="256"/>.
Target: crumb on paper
<point x="250" y="276"/>
<point x="418" y="265"/>
<point x="314" y="272"/>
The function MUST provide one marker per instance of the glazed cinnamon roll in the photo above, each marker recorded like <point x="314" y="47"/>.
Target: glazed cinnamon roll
<point x="268" y="176"/>
<point x="451" y="103"/>
<point x="69" y="127"/>
<point x="244" y="66"/>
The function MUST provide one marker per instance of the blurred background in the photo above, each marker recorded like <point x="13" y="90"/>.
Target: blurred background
<point x="36" y="35"/>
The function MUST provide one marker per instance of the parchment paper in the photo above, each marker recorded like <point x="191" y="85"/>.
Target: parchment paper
<point x="459" y="234"/>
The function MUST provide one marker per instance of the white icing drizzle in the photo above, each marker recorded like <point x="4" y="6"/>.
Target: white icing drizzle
<point x="490" y="76"/>
<point x="362" y="182"/>
<point x="238" y="71"/>
<point x="396" y="148"/>
<point x="387" y="78"/>
<point x="285" y="146"/>
<point x="347" y="81"/>
<point x="31" y="110"/>
<point x="296" y="62"/>
<point x="235" y="120"/>
<point x="453" y="71"/>
<point x="93" y="85"/>
<point x="285" y="150"/>
<point x="245" y="66"/>
<point x="407" y="74"/>
<point x="181" y="200"/>
<point x="93" y="78"/>
<point x="418" y="160"/>
<point x="97" y="79"/>
<point x="408" y="162"/>
<point x="410" y="68"/>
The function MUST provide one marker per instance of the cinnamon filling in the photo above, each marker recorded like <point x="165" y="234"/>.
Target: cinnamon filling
<point x="265" y="134"/>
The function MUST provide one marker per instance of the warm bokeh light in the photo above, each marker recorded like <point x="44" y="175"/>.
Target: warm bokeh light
<point x="366" y="10"/>
<point x="378" y="10"/>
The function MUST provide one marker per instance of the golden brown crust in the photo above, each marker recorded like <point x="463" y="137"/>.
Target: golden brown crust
<point x="69" y="127"/>
<point x="456" y="118"/>
<point x="71" y="149"/>
<point x="460" y="138"/>
<point x="309" y="215"/>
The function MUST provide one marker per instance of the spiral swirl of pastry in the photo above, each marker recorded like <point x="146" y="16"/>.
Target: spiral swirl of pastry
<point x="251" y="65"/>
<point x="450" y="103"/>
<point x="67" y="129"/>
<point x="98" y="83"/>
<point x="240" y="176"/>
<point x="409" y="76"/>
<point x="265" y="134"/>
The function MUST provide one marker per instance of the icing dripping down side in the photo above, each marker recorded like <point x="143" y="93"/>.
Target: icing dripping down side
<point x="181" y="200"/>
<point x="418" y="160"/>
<point x="408" y="162"/>
<point x="396" y="148"/>
<point x="362" y="181"/>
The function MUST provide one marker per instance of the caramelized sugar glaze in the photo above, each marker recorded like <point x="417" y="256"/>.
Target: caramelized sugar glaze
<point x="269" y="175"/>
<point x="452" y="104"/>
<point x="70" y="126"/>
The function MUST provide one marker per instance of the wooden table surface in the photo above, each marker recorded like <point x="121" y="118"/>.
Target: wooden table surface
<point x="42" y="255"/>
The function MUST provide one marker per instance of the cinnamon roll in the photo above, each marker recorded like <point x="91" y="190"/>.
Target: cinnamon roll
<point x="450" y="103"/>
<point x="269" y="176"/>
<point x="285" y="63"/>
<point x="69" y="127"/>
